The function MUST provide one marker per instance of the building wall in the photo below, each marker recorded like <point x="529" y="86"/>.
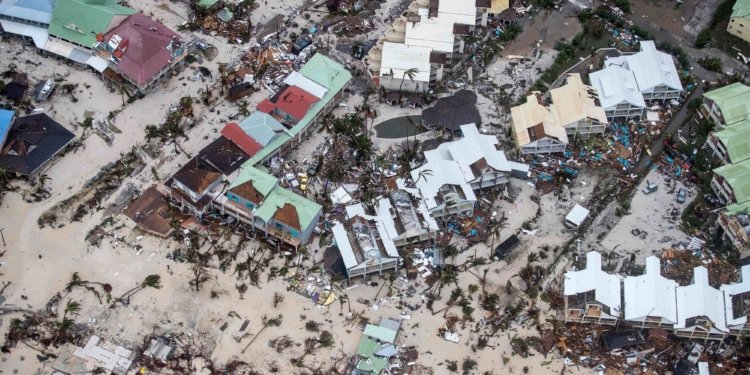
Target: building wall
<point x="661" y="92"/>
<point x="296" y="233"/>
<point x="24" y="21"/>
<point x="393" y="84"/>
<point x="733" y="230"/>
<point x="713" y="112"/>
<point x="624" y="110"/>
<point x="287" y="116"/>
<point x="739" y="27"/>
<point x="543" y="146"/>
<point x="722" y="189"/>
<point x="718" y="150"/>
<point x="584" y="128"/>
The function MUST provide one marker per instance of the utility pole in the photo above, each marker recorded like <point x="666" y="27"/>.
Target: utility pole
<point x="2" y="236"/>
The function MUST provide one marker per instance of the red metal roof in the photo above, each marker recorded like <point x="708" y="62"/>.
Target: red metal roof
<point x="143" y="47"/>
<point x="292" y="100"/>
<point x="234" y="133"/>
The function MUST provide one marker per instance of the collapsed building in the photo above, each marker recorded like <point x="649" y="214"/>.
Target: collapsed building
<point x="426" y="43"/>
<point x="693" y="311"/>
<point x="574" y="112"/>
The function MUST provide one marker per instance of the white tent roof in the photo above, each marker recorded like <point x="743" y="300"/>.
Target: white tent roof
<point x="577" y="215"/>
<point x="652" y="68"/>
<point x="729" y="290"/>
<point x="650" y="294"/>
<point x="296" y="79"/>
<point x="615" y="85"/>
<point x="700" y="299"/>
<point x="399" y="58"/>
<point x="435" y="34"/>
<point x="606" y="286"/>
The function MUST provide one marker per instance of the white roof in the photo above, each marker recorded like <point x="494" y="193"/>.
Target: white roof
<point x="399" y="58"/>
<point x="615" y="85"/>
<point x="458" y="11"/>
<point x="606" y="286"/>
<point x="436" y="34"/>
<point x="474" y="146"/>
<point x="97" y="63"/>
<point x="700" y="299"/>
<point x="386" y="228"/>
<point x="652" y="68"/>
<point x="296" y="79"/>
<point x="730" y="290"/>
<point x="650" y="294"/>
<point x="577" y="215"/>
<point x="340" y="196"/>
<point x="345" y="248"/>
<point x="38" y="34"/>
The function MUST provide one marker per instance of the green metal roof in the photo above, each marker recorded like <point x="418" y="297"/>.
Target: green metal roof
<point x="367" y="347"/>
<point x="324" y="72"/>
<point x="306" y="209"/>
<point x="380" y="333"/>
<point x="262" y="127"/>
<point x="374" y="365"/>
<point x="80" y="20"/>
<point x="262" y="181"/>
<point x="733" y="100"/>
<point x="738" y="177"/>
<point x="207" y="3"/>
<point x="740" y="208"/>
<point x="736" y="139"/>
<point x="741" y="8"/>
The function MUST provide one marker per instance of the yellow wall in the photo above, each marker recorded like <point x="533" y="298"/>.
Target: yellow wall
<point x="740" y="26"/>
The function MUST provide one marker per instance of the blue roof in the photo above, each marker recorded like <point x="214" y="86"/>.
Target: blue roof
<point x="6" y="119"/>
<point x="262" y="127"/>
<point x="33" y="10"/>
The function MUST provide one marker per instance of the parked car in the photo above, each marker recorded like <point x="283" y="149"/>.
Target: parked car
<point x="695" y="179"/>
<point x="204" y="46"/>
<point x="650" y="188"/>
<point x="671" y="153"/>
<point x="313" y="167"/>
<point x="303" y="182"/>
<point x="670" y="143"/>
<point x="713" y="200"/>
<point x="681" y="195"/>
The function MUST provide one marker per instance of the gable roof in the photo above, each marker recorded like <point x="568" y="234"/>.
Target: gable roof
<point x="234" y="133"/>
<point x="741" y="8"/>
<point x="533" y="121"/>
<point x="652" y="68"/>
<point x="32" y="10"/>
<point x="380" y="333"/>
<point x="144" y="47"/>
<point x="90" y="17"/>
<point x="574" y="101"/>
<point x="279" y="199"/>
<point x="607" y="287"/>
<point x="738" y="177"/>
<point x="700" y="299"/>
<point x="736" y="139"/>
<point x="615" y="85"/>
<point x="253" y="184"/>
<point x="31" y="142"/>
<point x="473" y="148"/>
<point x="221" y="157"/>
<point x="650" y="294"/>
<point x="733" y="101"/>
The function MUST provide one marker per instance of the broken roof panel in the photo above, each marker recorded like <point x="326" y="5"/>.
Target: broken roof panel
<point x="736" y="316"/>
<point x="607" y="287"/>
<point x="700" y="299"/>
<point x="650" y="294"/>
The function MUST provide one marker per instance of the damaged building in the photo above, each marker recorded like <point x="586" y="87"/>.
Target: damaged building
<point x="592" y="295"/>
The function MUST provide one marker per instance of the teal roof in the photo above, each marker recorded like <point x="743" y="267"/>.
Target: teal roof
<point x="374" y="365"/>
<point x="262" y="181"/>
<point x="324" y="72"/>
<point x="306" y="209"/>
<point x="262" y="127"/>
<point x="207" y="3"/>
<point x="738" y="177"/>
<point x="380" y="333"/>
<point x="736" y="139"/>
<point x="80" y="20"/>
<point x="367" y="347"/>
<point x="741" y="8"/>
<point x="733" y="100"/>
<point x="741" y="208"/>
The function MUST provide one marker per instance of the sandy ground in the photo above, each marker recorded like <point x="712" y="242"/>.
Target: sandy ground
<point x="40" y="261"/>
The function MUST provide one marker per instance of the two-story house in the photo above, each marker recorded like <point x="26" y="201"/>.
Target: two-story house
<point x="27" y="18"/>
<point x="592" y="295"/>
<point x="731" y="144"/>
<point x="650" y="299"/>
<point x="727" y="105"/>
<point x="734" y="224"/>
<point x="535" y="129"/>
<point x="654" y="71"/>
<point x="700" y="309"/>
<point x="739" y="21"/>
<point x="618" y="92"/>
<point x="365" y="247"/>
<point x="190" y="188"/>
<point x="731" y="182"/>
<point x="577" y="110"/>
<point x="255" y="132"/>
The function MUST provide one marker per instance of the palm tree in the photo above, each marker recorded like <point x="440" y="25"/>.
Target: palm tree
<point x="411" y="73"/>
<point x="151" y="281"/>
<point x="495" y="230"/>
<point x="423" y="174"/>
<point x="266" y="323"/>
<point x="42" y="180"/>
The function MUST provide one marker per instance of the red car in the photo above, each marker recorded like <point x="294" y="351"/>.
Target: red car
<point x="670" y="143"/>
